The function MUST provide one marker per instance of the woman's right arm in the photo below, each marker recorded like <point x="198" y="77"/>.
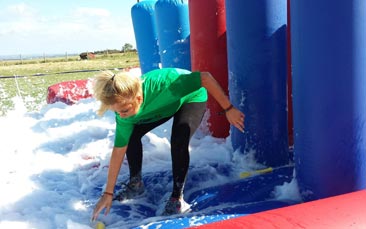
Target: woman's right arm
<point x="118" y="154"/>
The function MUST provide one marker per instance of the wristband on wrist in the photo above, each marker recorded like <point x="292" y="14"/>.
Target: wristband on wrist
<point x="107" y="193"/>
<point x="226" y="110"/>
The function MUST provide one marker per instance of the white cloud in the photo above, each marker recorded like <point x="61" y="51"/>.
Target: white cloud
<point x="21" y="10"/>
<point x="79" y="29"/>
<point x="18" y="19"/>
<point x="86" y="24"/>
<point x="85" y="11"/>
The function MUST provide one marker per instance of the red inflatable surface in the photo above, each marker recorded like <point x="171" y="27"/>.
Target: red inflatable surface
<point x="343" y="211"/>
<point x="209" y="53"/>
<point x="68" y="92"/>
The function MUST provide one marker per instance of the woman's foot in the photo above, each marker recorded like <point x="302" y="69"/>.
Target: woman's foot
<point x="176" y="206"/>
<point x="131" y="190"/>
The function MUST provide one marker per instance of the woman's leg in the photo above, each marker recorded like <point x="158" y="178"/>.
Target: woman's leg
<point x="134" y="149"/>
<point x="185" y="123"/>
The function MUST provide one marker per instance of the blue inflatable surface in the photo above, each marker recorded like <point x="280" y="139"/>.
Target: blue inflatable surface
<point x="211" y="204"/>
<point x="190" y="220"/>
<point x="329" y="91"/>
<point x="146" y="35"/>
<point x="172" y="20"/>
<point x="256" y="41"/>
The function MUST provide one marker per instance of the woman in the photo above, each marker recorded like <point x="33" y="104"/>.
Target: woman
<point x="143" y="103"/>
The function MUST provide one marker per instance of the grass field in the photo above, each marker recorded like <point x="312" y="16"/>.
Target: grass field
<point x="30" y="79"/>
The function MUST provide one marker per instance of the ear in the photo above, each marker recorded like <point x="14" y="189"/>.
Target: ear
<point x="139" y="98"/>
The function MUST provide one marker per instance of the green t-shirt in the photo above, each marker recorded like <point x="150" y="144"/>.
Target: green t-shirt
<point x="164" y="92"/>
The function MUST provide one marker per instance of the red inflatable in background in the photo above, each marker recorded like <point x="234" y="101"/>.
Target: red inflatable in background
<point x="209" y="53"/>
<point x="68" y="92"/>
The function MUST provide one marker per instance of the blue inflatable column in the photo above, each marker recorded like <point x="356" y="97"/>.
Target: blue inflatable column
<point x="172" y="18"/>
<point x="256" y="36"/>
<point x="146" y="36"/>
<point x="329" y="92"/>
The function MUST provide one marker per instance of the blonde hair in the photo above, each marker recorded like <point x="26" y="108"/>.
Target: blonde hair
<point x="110" y="88"/>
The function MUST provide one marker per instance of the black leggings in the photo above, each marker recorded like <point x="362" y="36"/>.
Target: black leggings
<point x="185" y="123"/>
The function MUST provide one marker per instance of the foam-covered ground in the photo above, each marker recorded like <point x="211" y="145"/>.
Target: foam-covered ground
<point x="55" y="161"/>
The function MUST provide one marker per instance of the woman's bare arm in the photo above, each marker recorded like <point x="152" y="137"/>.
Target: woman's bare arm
<point x="118" y="155"/>
<point x="233" y="115"/>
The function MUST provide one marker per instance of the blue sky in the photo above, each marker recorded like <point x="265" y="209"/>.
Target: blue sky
<point x="56" y="27"/>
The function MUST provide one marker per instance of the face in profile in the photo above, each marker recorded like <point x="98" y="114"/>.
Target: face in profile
<point x="128" y="109"/>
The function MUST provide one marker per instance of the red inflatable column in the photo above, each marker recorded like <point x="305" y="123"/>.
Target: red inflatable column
<point x="208" y="53"/>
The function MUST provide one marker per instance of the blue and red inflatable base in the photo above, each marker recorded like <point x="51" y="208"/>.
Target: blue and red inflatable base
<point x="343" y="211"/>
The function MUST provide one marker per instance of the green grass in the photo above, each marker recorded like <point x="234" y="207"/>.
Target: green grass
<point x="27" y="83"/>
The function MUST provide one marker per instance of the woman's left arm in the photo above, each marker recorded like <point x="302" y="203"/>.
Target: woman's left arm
<point x="233" y="115"/>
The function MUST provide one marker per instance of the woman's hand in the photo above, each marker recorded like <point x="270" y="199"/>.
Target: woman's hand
<point x="236" y="118"/>
<point x="118" y="154"/>
<point x="233" y="115"/>
<point x="104" y="202"/>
